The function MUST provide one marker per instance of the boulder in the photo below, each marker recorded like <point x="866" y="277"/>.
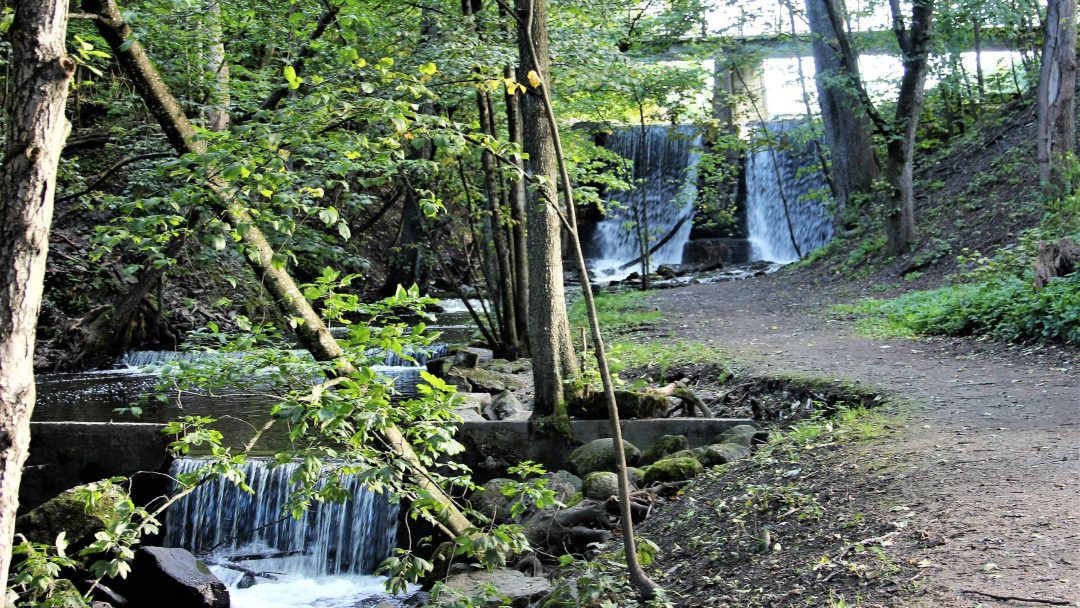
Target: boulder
<point x="489" y="500"/>
<point x="172" y="578"/>
<point x="665" y="271"/>
<point x="466" y="359"/>
<point x="485" y="380"/>
<point x="599" y="455"/>
<point x="673" y="469"/>
<point x="68" y="513"/>
<point x="505" y="405"/>
<point x="501" y="587"/>
<point x="742" y="434"/>
<point x="631" y="405"/>
<point x="724" y="453"/>
<point x="600" y="485"/>
<point x="565" y="485"/>
<point x="439" y="367"/>
<point x="665" y="446"/>
<point x="517" y="366"/>
<point x="636" y="475"/>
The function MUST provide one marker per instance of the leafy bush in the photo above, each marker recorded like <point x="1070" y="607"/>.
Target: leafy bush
<point x="1006" y="308"/>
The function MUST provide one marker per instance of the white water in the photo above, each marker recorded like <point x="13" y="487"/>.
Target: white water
<point x="776" y="176"/>
<point x="668" y="171"/>
<point x="326" y="556"/>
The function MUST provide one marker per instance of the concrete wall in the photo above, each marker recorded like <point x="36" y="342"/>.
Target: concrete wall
<point x="66" y="454"/>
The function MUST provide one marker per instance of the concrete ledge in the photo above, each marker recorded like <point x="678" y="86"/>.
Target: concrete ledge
<point x="66" y="454"/>
<point x="491" y="445"/>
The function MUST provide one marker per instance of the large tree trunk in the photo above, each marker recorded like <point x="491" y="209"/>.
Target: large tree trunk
<point x="554" y="362"/>
<point x="310" y="329"/>
<point x="900" y="198"/>
<point x="217" y="71"/>
<point x="36" y="130"/>
<point x="1057" y="77"/>
<point x="848" y="131"/>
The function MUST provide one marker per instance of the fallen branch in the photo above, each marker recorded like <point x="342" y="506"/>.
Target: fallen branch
<point x="658" y="245"/>
<point x="120" y="164"/>
<point x="1016" y="598"/>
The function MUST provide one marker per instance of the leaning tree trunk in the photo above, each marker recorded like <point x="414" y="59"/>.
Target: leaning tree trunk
<point x="310" y="329"/>
<point x="1057" y="77"/>
<point x="217" y="71"/>
<point x="554" y="363"/>
<point x="899" y="167"/>
<point x="36" y="130"/>
<point x="848" y="131"/>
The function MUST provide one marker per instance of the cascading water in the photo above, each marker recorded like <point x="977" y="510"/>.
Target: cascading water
<point x="322" y="559"/>
<point x="668" y="172"/>
<point x="781" y="173"/>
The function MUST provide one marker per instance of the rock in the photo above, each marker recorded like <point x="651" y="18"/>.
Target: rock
<point x="673" y="469"/>
<point x="489" y="500"/>
<point x="636" y="475"/>
<point x="631" y="405"/>
<point x="483" y="355"/>
<point x="665" y="446"/>
<point x="476" y="401"/>
<point x="665" y="271"/>
<point x="68" y="513"/>
<point x="600" y="485"/>
<point x="599" y="455"/>
<point x="439" y="367"/>
<point x="505" y="405"/>
<point x="172" y="578"/>
<point x="697" y="454"/>
<point x="517" y="366"/>
<point x="500" y="587"/>
<point x="724" y="453"/>
<point x="742" y="434"/>
<point x="486" y="381"/>
<point x="564" y="483"/>
<point x="466" y="359"/>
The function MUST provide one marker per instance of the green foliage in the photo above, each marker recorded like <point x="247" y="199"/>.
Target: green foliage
<point x="617" y="311"/>
<point x="1005" y="308"/>
<point x="36" y="578"/>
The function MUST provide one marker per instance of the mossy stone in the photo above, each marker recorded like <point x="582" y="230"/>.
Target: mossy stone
<point x="600" y="485"/>
<point x="68" y="513"/>
<point x="741" y="434"/>
<point x="599" y="455"/>
<point x="673" y="469"/>
<point x="664" y="447"/>
<point x="724" y="453"/>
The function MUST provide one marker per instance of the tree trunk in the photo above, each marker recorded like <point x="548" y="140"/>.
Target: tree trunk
<point x="1057" y="78"/>
<point x="310" y="330"/>
<point x="504" y="282"/>
<point x="36" y="130"/>
<point x="408" y="264"/>
<point x="518" y="204"/>
<point x="848" y="132"/>
<point x="554" y="363"/>
<point x="980" y="76"/>
<point x="217" y="71"/>
<point x="900" y="198"/>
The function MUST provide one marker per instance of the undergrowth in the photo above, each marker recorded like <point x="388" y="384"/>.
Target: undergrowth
<point x="618" y="311"/>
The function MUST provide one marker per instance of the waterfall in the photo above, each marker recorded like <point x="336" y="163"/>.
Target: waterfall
<point x="669" y="183"/>
<point x="156" y="358"/>
<point x="352" y="537"/>
<point x="800" y="183"/>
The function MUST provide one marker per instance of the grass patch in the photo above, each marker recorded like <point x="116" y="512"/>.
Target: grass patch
<point x="618" y="311"/>
<point x="664" y="355"/>
<point x="1004" y="307"/>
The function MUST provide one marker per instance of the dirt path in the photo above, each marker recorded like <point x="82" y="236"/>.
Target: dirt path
<point x="990" y="455"/>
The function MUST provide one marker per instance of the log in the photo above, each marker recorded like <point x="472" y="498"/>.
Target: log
<point x="658" y="245"/>
<point x="1055" y="260"/>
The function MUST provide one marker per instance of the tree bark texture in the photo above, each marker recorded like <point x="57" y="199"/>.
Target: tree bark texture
<point x="900" y="197"/>
<point x="217" y="71"/>
<point x="549" y="329"/>
<point x="310" y="331"/>
<point x="1054" y="97"/>
<point x="36" y="130"/>
<point x="848" y="132"/>
<point x="519" y="231"/>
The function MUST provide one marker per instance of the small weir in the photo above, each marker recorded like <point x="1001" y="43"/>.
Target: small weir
<point x="266" y="557"/>
<point x="666" y="162"/>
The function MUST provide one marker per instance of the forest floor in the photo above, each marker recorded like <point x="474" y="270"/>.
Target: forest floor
<point x="980" y="478"/>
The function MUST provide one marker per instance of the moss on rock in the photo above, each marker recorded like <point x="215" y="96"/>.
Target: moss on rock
<point x="664" y="447"/>
<point x="673" y="469"/>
